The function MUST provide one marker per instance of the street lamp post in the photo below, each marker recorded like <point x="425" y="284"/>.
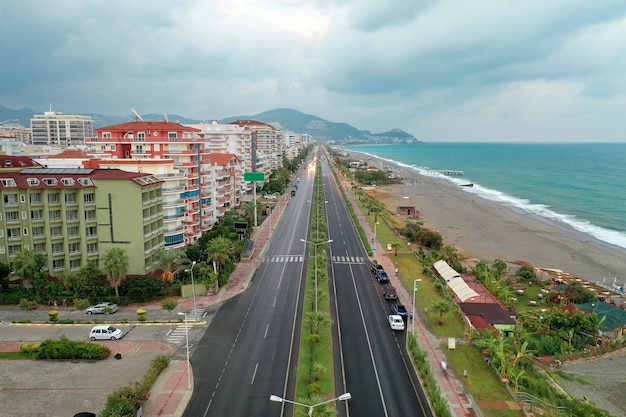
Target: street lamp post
<point x="374" y="242"/>
<point x="315" y="247"/>
<point x="187" y="343"/>
<point x="193" y="286"/>
<point x="342" y="397"/>
<point x="415" y="288"/>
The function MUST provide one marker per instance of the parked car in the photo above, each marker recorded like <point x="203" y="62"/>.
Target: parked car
<point x="270" y="196"/>
<point x="105" y="332"/>
<point x="396" y="322"/>
<point x="375" y="268"/>
<point x="99" y="308"/>
<point x="390" y="293"/>
<point x="400" y="310"/>
<point x="382" y="277"/>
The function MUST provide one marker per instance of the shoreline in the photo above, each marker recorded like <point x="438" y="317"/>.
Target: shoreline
<point x="485" y="230"/>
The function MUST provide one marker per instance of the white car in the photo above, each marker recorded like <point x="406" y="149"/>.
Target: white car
<point x="100" y="308"/>
<point x="270" y="196"/>
<point x="396" y="322"/>
<point x="105" y="332"/>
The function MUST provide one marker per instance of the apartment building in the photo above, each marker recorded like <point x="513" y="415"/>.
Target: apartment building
<point x="74" y="215"/>
<point x="266" y="140"/>
<point x="56" y="128"/>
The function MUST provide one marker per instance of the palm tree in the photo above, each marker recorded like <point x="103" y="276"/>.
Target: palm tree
<point x="219" y="250"/>
<point x="317" y="320"/>
<point x="441" y="307"/>
<point x="166" y="260"/>
<point x="28" y="264"/>
<point x="115" y="265"/>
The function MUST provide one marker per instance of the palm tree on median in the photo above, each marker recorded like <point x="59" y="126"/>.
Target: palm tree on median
<point x="115" y="265"/>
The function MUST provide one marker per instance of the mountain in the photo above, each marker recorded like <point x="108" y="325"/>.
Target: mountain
<point x="324" y="130"/>
<point x="293" y="120"/>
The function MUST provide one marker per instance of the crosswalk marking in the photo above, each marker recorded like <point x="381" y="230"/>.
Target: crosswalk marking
<point x="348" y="259"/>
<point x="179" y="333"/>
<point x="284" y="258"/>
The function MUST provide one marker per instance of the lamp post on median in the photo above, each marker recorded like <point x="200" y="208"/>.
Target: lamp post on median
<point x="187" y="343"/>
<point x="193" y="286"/>
<point x="415" y="288"/>
<point x="342" y="397"/>
<point x="315" y="247"/>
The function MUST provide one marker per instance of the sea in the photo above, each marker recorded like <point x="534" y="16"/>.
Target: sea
<point x="581" y="185"/>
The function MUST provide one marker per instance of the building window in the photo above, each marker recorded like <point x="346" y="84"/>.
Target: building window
<point x="75" y="264"/>
<point x="36" y="214"/>
<point x="67" y="181"/>
<point x="106" y="135"/>
<point x="141" y="136"/>
<point x="73" y="248"/>
<point x="89" y="198"/>
<point x="139" y="149"/>
<point x="55" y="214"/>
<point x="58" y="264"/>
<point x="53" y="198"/>
<point x="12" y="216"/>
<point x="24" y="215"/>
<point x="72" y="231"/>
<point x="35" y="198"/>
<point x="92" y="247"/>
<point x="25" y="231"/>
<point x="23" y="198"/>
<point x="172" y="136"/>
<point x="3" y="250"/>
<point x="70" y="198"/>
<point x="40" y="247"/>
<point x="55" y="231"/>
<point x="32" y="181"/>
<point x="8" y="182"/>
<point x="50" y="181"/>
<point x="57" y="248"/>
<point x="90" y="215"/>
<point x="72" y="215"/>
<point x="91" y="231"/>
<point x="10" y="199"/>
<point x="38" y="231"/>
<point x="13" y="249"/>
<point x="13" y="233"/>
<point x="85" y="182"/>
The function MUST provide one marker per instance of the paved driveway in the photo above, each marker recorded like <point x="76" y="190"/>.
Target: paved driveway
<point x="50" y="388"/>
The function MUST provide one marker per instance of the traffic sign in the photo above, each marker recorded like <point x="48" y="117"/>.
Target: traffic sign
<point x="254" y="176"/>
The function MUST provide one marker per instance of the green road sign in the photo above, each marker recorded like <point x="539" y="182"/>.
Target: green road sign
<point x="254" y="176"/>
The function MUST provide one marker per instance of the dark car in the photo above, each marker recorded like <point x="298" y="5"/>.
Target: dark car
<point x="390" y="293"/>
<point x="382" y="277"/>
<point x="400" y="310"/>
<point x="375" y="268"/>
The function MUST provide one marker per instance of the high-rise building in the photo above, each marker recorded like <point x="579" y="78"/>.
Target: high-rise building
<point x="56" y="128"/>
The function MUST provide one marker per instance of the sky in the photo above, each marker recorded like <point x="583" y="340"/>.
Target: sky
<point x="449" y="70"/>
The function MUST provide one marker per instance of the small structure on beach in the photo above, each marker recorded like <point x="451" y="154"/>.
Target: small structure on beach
<point x="410" y="211"/>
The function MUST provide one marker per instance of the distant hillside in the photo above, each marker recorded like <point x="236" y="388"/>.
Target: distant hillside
<point x="321" y="130"/>
<point x="324" y="130"/>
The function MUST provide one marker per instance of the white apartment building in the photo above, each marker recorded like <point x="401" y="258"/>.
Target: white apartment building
<point x="56" y="128"/>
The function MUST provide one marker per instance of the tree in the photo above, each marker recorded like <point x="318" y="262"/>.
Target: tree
<point x="166" y="260"/>
<point x="499" y="267"/>
<point x="219" y="250"/>
<point x="317" y="320"/>
<point x="441" y="307"/>
<point x="169" y="304"/>
<point x="28" y="305"/>
<point x="88" y="279"/>
<point x="115" y="265"/>
<point x="5" y="272"/>
<point x="81" y="304"/>
<point x="66" y="279"/>
<point x="28" y="263"/>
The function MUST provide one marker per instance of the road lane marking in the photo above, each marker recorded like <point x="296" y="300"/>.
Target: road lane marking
<point x="254" y="374"/>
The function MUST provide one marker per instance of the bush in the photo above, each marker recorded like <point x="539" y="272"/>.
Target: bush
<point x="65" y="348"/>
<point x="29" y="347"/>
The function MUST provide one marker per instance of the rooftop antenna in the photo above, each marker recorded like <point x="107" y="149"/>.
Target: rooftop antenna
<point x="137" y="115"/>
<point x="165" y="118"/>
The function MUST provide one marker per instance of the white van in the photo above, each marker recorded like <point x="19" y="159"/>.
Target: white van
<point x="105" y="332"/>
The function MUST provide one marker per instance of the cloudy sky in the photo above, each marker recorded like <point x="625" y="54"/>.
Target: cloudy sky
<point x="448" y="70"/>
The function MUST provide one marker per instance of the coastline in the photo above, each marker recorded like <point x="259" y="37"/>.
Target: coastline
<point x="485" y="230"/>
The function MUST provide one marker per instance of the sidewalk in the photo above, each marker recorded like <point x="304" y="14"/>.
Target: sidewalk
<point x="451" y="387"/>
<point x="171" y="392"/>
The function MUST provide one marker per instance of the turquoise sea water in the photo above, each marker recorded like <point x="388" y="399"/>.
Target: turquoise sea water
<point x="581" y="185"/>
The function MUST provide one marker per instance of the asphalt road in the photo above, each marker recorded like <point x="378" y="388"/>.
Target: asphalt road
<point x="249" y="353"/>
<point x="377" y="372"/>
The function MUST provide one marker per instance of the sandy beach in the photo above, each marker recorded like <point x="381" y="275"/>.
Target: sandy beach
<point x="484" y="230"/>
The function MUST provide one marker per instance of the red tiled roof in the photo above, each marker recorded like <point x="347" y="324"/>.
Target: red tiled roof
<point x="22" y="178"/>
<point x="222" y="158"/>
<point x="149" y="125"/>
<point x="14" y="161"/>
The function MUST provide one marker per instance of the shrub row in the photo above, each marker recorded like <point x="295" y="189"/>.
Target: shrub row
<point x="65" y="348"/>
<point x="126" y="401"/>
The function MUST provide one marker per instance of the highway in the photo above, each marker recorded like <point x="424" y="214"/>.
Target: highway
<point x="372" y="357"/>
<point x="250" y="350"/>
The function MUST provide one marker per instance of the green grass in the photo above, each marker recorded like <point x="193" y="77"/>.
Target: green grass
<point x="18" y="355"/>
